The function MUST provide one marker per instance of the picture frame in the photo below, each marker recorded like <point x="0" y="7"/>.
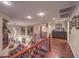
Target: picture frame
<point x="58" y="26"/>
<point x="23" y="30"/>
<point x="23" y="40"/>
<point x="30" y="30"/>
<point x="77" y="22"/>
<point x="5" y="33"/>
<point x="70" y="26"/>
<point x="73" y="21"/>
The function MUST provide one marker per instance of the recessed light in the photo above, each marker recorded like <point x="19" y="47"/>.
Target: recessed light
<point x="41" y="14"/>
<point x="7" y="3"/>
<point x="29" y="17"/>
<point x="54" y="18"/>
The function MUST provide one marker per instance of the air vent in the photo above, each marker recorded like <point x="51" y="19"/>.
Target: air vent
<point x="64" y="13"/>
<point x="65" y="10"/>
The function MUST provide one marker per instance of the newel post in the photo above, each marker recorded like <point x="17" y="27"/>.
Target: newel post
<point x="49" y="40"/>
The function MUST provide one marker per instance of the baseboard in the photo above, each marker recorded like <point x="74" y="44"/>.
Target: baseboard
<point x="72" y="49"/>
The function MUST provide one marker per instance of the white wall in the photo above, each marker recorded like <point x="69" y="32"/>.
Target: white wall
<point x="16" y="34"/>
<point x="60" y="21"/>
<point x="50" y="27"/>
<point x="15" y="30"/>
<point x="1" y="34"/>
<point x="74" y="36"/>
<point x="36" y="28"/>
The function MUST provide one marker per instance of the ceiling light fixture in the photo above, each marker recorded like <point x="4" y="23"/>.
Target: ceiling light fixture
<point x="7" y="3"/>
<point x="29" y="17"/>
<point x="41" y="14"/>
<point x="54" y="18"/>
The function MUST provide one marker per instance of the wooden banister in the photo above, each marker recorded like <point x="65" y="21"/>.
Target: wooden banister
<point x="26" y="49"/>
<point x="34" y="36"/>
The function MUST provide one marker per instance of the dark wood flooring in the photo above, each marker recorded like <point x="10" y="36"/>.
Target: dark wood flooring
<point x="59" y="49"/>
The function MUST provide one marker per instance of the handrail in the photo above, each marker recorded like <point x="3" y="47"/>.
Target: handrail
<point x="26" y="49"/>
<point x="31" y="40"/>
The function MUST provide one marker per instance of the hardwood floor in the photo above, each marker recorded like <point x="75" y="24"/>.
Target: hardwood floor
<point x="60" y="49"/>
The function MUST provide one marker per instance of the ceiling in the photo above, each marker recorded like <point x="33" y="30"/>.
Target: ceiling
<point x="19" y="10"/>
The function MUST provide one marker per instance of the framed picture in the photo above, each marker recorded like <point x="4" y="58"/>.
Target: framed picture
<point x="30" y="30"/>
<point x="5" y="34"/>
<point x="77" y="22"/>
<point x="23" y="30"/>
<point x="58" y="26"/>
<point x="23" y="40"/>
<point x="73" y="21"/>
<point x="70" y="27"/>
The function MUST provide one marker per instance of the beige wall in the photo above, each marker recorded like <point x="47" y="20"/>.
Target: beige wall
<point x="36" y="28"/>
<point x="74" y="36"/>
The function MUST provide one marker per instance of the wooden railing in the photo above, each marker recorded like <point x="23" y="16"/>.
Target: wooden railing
<point x="33" y="37"/>
<point x="29" y="52"/>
